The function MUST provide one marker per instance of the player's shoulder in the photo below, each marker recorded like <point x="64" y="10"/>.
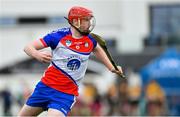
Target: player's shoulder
<point x="91" y="37"/>
<point x="93" y="40"/>
<point x="60" y="32"/>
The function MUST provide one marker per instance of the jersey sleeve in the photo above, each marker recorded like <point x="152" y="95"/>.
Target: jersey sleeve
<point x="93" y="40"/>
<point x="46" y="40"/>
<point x="51" y="40"/>
<point x="95" y="43"/>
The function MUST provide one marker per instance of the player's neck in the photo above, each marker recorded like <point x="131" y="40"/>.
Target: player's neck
<point x="75" y="33"/>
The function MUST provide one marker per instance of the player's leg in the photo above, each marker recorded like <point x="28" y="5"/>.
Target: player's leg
<point x="36" y="103"/>
<point x="54" y="112"/>
<point x="60" y="103"/>
<point x="30" y="111"/>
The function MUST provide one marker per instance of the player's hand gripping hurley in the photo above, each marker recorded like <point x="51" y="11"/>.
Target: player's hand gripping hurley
<point x="102" y="43"/>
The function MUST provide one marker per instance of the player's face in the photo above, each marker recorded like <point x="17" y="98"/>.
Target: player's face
<point x="87" y="24"/>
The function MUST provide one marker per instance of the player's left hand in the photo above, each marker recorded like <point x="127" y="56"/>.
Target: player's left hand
<point x="118" y="72"/>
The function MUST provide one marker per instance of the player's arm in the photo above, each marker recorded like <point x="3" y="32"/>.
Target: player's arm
<point x="101" y="55"/>
<point x="32" y="48"/>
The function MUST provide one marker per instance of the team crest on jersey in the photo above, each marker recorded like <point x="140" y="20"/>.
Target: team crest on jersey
<point x="86" y="44"/>
<point x="68" y="43"/>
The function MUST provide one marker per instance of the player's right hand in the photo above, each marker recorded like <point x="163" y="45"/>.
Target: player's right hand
<point x="43" y="56"/>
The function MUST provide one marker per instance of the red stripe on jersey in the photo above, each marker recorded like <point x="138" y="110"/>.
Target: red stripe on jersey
<point x="54" y="78"/>
<point x="44" y="43"/>
<point x="83" y="45"/>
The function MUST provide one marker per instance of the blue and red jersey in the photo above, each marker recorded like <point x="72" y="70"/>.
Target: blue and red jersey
<point x="69" y="60"/>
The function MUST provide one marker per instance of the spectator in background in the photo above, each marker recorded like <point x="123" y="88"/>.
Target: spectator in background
<point x="23" y="93"/>
<point x="80" y="109"/>
<point x="134" y="92"/>
<point x="90" y="104"/>
<point x="7" y="101"/>
<point x="155" y="97"/>
<point x="123" y="98"/>
<point x="95" y="105"/>
<point x="134" y="97"/>
<point x="112" y="100"/>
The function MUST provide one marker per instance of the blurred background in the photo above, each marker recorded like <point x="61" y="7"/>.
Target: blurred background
<point x="143" y="37"/>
